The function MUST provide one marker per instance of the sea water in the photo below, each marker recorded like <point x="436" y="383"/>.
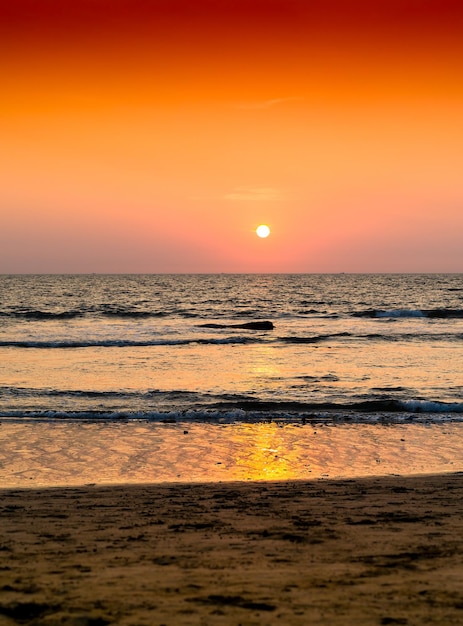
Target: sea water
<point x="343" y="348"/>
<point x="110" y="379"/>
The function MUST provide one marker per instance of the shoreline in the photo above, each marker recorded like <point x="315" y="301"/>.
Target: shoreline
<point x="64" y="454"/>
<point x="378" y="550"/>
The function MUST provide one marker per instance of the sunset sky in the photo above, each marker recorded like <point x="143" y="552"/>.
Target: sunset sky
<point x="155" y="136"/>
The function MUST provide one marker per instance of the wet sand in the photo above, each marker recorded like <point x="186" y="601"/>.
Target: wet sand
<point x="49" y="454"/>
<point x="386" y="550"/>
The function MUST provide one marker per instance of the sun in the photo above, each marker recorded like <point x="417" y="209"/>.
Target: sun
<point x="263" y="231"/>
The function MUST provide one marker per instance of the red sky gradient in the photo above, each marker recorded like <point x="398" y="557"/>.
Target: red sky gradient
<point x="154" y="136"/>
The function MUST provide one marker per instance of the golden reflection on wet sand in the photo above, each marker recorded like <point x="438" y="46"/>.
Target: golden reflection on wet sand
<point x="42" y="454"/>
<point x="264" y="452"/>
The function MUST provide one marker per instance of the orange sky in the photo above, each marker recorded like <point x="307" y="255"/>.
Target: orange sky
<point x="154" y="136"/>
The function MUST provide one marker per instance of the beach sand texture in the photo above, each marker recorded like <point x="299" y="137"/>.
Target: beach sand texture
<point x="386" y="550"/>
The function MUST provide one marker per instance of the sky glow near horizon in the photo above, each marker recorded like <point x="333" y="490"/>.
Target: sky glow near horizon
<point x="155" y="136"/>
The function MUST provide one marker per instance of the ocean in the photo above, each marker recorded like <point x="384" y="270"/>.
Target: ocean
<point x="108" y="379"/>
<point x="175" y="348"/>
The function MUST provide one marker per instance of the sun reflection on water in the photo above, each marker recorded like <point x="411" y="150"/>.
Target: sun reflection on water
<point x="264" y="455"/>
<point x="43" y="454"/>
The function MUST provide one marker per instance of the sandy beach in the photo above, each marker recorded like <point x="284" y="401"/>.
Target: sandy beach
<point x="384" y="550"/>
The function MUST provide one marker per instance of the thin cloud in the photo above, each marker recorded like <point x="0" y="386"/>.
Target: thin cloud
<point x="254" y="194"/>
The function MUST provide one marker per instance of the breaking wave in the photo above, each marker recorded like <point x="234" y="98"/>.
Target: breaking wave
<point x="99" y="311"/>
<point x="374" y="411"/>
<point x="125" y="343"/>
<point x="368" y="406"/>
<point x="228" y="340"/>
<point x="429" y="313"/>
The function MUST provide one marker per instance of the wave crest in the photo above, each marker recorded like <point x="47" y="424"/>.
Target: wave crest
<point x="368" y="412"/>
<point x="429" y="313"/>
